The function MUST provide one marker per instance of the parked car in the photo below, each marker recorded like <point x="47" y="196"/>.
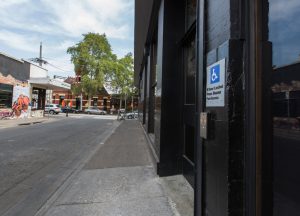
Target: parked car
<point x="52" y="108"/>
<point x="95" y="110"/>
<point x="69" y="110"/>
<point x="132" y="115"/>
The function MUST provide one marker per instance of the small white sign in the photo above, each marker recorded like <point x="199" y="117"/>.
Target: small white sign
<point x="215" y="84"/>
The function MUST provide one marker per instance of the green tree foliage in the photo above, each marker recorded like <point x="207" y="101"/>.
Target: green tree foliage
<point x="93" y="61"/>
<point x="122" y="77"/>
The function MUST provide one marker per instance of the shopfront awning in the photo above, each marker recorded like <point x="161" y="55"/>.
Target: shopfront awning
<point x="48" y="83"/>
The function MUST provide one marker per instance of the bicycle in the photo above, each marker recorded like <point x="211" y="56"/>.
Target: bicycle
<point x="121" y="115"/>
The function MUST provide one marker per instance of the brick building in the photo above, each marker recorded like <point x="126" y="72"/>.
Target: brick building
<point x="102" y="100"/>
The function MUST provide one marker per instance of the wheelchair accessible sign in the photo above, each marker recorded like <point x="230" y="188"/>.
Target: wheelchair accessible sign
<point x="215" y="85"/>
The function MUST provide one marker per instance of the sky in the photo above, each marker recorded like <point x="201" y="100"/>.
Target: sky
<point x="284" y="22"/>
<point x="59" y="24"/>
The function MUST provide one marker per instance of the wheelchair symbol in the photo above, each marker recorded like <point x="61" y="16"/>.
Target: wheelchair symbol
<point x="214" y="76"/>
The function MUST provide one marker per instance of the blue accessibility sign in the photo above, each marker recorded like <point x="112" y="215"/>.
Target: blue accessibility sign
<point x="215" y="74"/>
<point x="215" y="84"/>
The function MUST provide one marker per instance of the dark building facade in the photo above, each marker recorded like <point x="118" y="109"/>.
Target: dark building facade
<point x="219" y="100"/>
<point x="12" y="72"/>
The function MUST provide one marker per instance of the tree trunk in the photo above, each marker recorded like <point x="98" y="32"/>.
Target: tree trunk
<point x="120" y="102"/>
<point x="89" y="101"/>
<point x="125" y="102"/>
<point x="81" y="101"/>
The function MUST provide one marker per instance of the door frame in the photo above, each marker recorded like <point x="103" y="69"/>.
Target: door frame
<point x="259" y="153"/>
<point x="188" y="166"/>
<point x="200" y="104"/>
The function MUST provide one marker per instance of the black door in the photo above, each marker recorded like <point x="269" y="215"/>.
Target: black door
<point x="189" y="83"/>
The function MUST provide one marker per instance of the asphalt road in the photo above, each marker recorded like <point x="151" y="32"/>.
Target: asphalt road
<point x="35" y="160"/>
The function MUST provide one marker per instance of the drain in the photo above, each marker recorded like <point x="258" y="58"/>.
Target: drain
<point x="36" y="122"/>
<point x="24" y="124"/>
<point x="29" y="123"/>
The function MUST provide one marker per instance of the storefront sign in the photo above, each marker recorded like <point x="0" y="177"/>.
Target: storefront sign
<point x="215" y="85"/>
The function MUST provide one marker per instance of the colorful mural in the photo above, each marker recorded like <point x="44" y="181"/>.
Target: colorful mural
<point x="21" y="102"/>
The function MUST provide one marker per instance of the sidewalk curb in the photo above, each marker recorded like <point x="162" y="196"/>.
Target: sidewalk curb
<point x="154" y="158"/>
<point x="5" y="124"/>
<point x="68" y="181"/>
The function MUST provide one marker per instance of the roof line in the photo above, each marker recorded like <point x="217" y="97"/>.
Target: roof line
<point x="4" y="54"/>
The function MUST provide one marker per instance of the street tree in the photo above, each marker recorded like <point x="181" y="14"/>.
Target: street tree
<point x="93" y="61"/>
<point x="121" y="78"/>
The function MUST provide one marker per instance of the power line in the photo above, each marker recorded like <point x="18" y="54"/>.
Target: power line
<point x="58" y="68"/>
<point x="56" y="60"/>
<point x="38" y="60"/>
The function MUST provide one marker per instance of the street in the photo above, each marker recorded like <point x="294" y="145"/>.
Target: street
<point x="36" y="159"/>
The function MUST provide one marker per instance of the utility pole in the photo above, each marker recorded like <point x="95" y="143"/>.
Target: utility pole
<point x="40" y="60"/>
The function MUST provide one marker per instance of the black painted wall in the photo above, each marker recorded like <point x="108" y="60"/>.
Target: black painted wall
<point x="171" y="108"/>
<point x="224" y="152"/>
<point x="158" y="93"/>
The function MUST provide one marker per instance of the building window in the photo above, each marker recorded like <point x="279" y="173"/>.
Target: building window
<point x="6" y="95"/>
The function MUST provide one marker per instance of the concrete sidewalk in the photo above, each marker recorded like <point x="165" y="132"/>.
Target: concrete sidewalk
<point x="120" y="180"/>
<point x="23" y="121"/>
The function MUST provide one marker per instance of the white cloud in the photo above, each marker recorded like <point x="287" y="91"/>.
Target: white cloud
<point x="64" y="17"/>
<point x="90" y="16"/>
<point x="9" y="3"/>
<point x="60" y="46"/>
<point x="59" y="65"/>
<point x="60" y="24"/>
<point x="18" y="41"/>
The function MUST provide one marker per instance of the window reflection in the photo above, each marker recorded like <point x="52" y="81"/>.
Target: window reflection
<point x="190" y="73"/>
<point x="284" y="22"/>
<point x="190" y="12"/>
<point x="284" y="33"/>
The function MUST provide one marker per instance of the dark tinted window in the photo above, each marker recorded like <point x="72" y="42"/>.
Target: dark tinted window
<point x="284" y="22"/>
<point x="284" y="33"/>
<point x="190" y="72"/>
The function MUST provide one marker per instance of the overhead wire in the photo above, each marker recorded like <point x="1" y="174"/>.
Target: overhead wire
<point x="50" y="64"/>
